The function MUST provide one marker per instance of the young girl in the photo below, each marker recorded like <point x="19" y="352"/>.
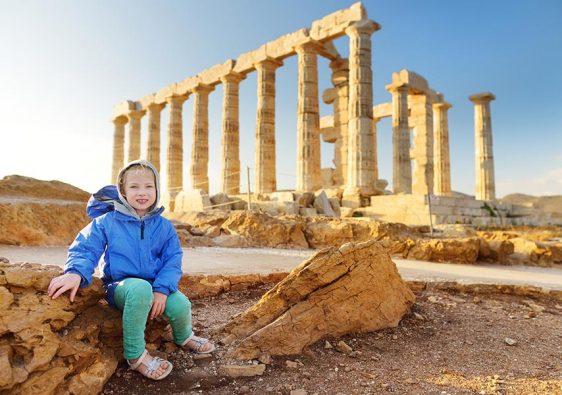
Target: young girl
<point x="142" y="265"/>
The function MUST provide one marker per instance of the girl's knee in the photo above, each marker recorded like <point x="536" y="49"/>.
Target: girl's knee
<point x="177" y="304"/>
<point x="139" y="291"/>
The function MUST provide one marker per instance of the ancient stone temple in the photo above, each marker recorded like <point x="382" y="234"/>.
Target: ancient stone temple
<point x="420" y="129"/>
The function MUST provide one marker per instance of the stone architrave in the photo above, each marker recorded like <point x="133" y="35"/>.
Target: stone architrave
<point x="174" y="164"/>
<point x="118" y="147"/>
<point x="308" y="119"/>
<point x="401" y="163"/>
<point x="485" y="179"/>
<point x="421" y="116"/>
<point x="361" y="162"/>
<point x="230" y="183"/>
<point x="442" y="159"/>
<point x="153" y="143"/>
<point x="265" y="161"/>
<point x="340" y="79"/>
<point x="134" y="151"/>
<point x="200" y="145"/>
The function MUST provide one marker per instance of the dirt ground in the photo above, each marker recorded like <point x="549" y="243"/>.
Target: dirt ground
<point x="448" y="344"/>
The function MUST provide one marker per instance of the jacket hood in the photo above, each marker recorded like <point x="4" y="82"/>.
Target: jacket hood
<point x="109" y="198"/>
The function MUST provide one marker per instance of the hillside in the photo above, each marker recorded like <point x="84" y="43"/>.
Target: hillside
<point x="21" y="186"/>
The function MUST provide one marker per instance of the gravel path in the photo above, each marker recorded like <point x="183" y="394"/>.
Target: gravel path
<point x="215" y="260"/>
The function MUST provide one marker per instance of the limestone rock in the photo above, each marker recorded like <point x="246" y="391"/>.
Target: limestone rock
<point x="29" y="328"/>
<point x="443" y="250"/>
<point x="221" y="199"/>
<point x="40" y="223"/>
<point x="495" y="250"/>
<point x="308" y="212"/>
<point x="53" y="346"/>
<point x="355" y="288"/>
<point x="322" y="233"/>
<point x="267" y="231"/>
<point x="304" y="199"/>
<point x="537" y="253"/>
<point x="335" y="203"/>
<point x="323" y="206"/>
<point x="346" y="212"/>
<point x="199" y="222"/>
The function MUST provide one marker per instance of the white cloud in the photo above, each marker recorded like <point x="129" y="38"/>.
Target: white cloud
<point x="549" y="183"/>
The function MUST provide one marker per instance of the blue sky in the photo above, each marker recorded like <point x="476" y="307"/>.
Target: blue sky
<point x="64" y="64"/>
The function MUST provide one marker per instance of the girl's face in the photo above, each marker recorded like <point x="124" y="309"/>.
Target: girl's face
<point x="140" y="190"/>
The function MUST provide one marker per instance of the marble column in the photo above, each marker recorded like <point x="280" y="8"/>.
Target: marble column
<point x="153" y="142"/>
<point x="134" y="136"/>
<point x="309" y="178"/>
<point x="230" y="179"/>
<point x="422" y="150"/>
<point x="441" y="155"/>
<point x="401" y="163"/>
<point x="361" y="156"/>
<point x="118" y="146"/>
<point x="485" y="179"/>
<point x="174" y="164"/>
<point x="340" y="79"/>
<point x="199" y="169"/>
<point x="265" y="166"/>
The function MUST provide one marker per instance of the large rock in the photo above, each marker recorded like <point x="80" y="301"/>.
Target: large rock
<point x="266" y="231"/>
<point x="40" y="223"/>
<point x="53" y="346"/>
<point x="321" y="232"/>
<point x="443" y="250"/>
<point x="323" y="206"/>
<point x="536" y="253"/>
<point x="495" y="250"/>
<point x="355" y="288"/>
<point x="222" y="201"/>
<point x="36" y="356"/>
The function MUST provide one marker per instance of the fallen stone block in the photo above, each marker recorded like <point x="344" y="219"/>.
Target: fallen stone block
<point x="355" y="288"/>
<point x="323" y="206"/>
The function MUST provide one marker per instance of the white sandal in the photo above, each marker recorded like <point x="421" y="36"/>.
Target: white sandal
<point x="151" y="366"/>
<point x="200" y="343"/>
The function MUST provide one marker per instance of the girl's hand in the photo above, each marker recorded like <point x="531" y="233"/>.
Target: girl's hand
<point x="61" y="284"/>
<point x="158" y="304"/>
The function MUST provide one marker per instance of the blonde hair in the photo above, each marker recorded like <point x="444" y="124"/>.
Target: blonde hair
<point x="138" y="167"/>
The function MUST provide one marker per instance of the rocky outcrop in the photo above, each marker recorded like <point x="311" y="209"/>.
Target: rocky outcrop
<point x="495" y="250"/>
<point x="27" y="187"/>
<point x="40" y="352"/>
<point x="443" y="250"/>
<point x="263" y="230"/>
<point x="56" y="347"/>
<point x="53" y="346"/>
<point x="537" y="253"/>
<point x="355" y="288"/>
<point x="34" y="224"/>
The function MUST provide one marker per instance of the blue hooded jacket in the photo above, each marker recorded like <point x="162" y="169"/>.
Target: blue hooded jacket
<point x="146" y="247"/>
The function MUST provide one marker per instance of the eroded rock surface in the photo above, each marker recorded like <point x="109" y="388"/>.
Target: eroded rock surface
<point x="40" y="351"/>
<point x="354" y="288"/>
<point x="53" y="346"/>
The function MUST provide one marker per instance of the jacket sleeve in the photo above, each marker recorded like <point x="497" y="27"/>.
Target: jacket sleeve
<point x="168" y="277"/>
<point x="85" y="252"/>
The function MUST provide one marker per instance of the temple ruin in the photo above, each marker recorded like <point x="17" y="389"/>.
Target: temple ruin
<point x="420" y="132"/>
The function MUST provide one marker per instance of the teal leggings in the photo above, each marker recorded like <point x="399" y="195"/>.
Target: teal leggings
<point x="133" y="296"/>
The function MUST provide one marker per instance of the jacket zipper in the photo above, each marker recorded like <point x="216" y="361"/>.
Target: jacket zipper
<point x="142" y="230"/>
